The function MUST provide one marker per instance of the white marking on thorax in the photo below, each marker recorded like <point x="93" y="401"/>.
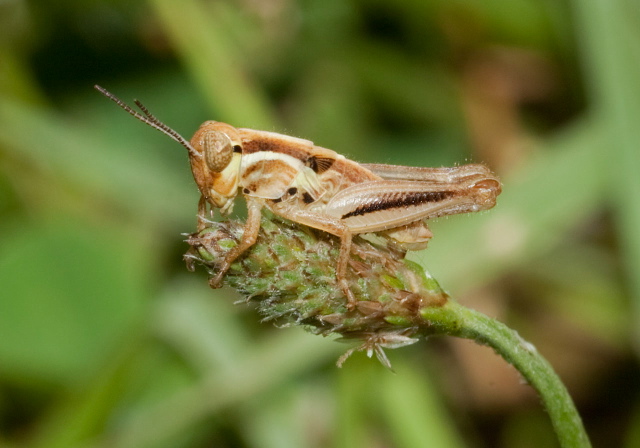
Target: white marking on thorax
<point x="263" y="157"/>
<point x="268" y="174"/>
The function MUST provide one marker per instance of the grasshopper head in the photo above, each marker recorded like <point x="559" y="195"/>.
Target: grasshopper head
<point x="214" y="152"/>
<point x="216" y="162"/>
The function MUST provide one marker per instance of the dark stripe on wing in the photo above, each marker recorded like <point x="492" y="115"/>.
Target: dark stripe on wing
<point x="400" y="200"/>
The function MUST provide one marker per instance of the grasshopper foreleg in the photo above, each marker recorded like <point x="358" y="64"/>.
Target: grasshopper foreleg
<point x="249" y="237"/>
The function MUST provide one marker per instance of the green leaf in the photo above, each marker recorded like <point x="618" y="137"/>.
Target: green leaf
<point x="69" y="293"/>
<point x="611" y="62"/>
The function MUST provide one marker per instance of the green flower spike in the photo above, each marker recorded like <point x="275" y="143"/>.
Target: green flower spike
<point x="290" y="274"/>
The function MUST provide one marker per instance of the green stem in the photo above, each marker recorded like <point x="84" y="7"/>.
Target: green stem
<point x="455" y="320"/>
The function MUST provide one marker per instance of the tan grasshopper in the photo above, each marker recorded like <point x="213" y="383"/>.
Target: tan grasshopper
<point x="320" y="188"/>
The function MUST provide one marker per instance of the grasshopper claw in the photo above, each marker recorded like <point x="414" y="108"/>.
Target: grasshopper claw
<point x="351" y="299"/>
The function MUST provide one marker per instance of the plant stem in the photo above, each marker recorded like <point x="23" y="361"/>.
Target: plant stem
<point x="454" y="319"/>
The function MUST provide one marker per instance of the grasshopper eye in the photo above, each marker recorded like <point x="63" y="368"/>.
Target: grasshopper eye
<point x="218" y="150"/>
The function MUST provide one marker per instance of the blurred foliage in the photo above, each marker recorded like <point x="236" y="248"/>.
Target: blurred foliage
<point x="106" y="342"/>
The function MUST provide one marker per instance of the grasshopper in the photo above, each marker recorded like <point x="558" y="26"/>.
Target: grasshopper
<point x="320" y="188"/>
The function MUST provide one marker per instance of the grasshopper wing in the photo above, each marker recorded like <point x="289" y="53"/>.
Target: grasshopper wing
<point x="381" y="205"/>
<point x="445" y="175"/>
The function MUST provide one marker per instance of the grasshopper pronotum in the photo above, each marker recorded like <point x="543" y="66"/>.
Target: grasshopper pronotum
<point x="320" y="188"/>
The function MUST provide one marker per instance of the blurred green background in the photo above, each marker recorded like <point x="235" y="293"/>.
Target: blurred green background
<point x="107" y="341"/>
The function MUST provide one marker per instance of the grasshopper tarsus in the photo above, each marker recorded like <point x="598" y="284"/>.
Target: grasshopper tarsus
<point x="216" y="282"/>
<point x="352" y="302"/>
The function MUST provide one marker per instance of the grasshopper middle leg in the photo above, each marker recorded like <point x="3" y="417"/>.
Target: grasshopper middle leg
<point x="333" y="226"/>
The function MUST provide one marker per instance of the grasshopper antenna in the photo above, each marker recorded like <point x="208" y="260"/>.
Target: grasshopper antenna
<point x="149" y="119"/>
